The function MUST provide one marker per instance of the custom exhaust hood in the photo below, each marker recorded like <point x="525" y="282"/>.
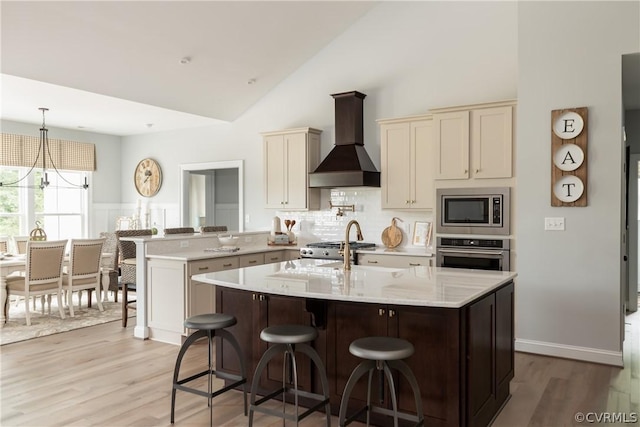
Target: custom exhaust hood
<point x="348" y="164"/>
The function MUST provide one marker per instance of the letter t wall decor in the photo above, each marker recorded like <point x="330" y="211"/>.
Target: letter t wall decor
<point x="569" y="157"/>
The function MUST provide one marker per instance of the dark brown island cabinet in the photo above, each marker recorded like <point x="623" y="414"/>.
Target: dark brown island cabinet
<point x="463" y="360"/>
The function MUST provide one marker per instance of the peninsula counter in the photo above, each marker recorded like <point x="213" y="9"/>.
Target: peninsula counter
<point x="459" y="321"/>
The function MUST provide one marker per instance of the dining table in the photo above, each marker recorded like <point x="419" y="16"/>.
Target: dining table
<point x="11" y="263"/>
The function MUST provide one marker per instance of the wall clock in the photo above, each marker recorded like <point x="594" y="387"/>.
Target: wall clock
<point x="147" y="177"/>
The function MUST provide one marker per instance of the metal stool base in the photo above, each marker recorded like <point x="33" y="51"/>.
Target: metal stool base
<point x="369" y="366"/>
<point x="321" y="399"/>
<point x="209" y="394"/>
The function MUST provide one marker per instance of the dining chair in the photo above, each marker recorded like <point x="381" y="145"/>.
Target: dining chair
<point x="128" y="262"/>
<point x="179" y="230"/>
<point x="109" y="266"/>
<point x="84" y="270"/>
<point x="212" y="228"/>
<point x="20" y="243"/>
<point x="43" y="275"/>
<point x="4" y="244"/>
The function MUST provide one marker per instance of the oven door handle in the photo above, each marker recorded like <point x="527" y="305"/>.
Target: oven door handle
<point x="472" y="251"/>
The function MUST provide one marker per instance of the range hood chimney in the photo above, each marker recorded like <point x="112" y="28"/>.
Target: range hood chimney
<point x="348" y="164"/>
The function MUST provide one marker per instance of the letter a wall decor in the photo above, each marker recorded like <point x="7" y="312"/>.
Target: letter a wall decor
<point x="569" y="157"/>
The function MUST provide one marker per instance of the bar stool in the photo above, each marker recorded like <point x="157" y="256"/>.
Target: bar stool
<point x="381" y="353"/>
<point x="289" y="339"/>
<point x="210" y="326"/>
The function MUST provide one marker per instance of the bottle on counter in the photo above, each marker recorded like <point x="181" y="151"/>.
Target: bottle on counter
<point x="275" y="226"/>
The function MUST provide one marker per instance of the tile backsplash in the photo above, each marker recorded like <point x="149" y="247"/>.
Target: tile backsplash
<point x="324" y="224"/>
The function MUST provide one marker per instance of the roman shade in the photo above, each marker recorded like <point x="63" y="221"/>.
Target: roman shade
<point x="22" y="150"/>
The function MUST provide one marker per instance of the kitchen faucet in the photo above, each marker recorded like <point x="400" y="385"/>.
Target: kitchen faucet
<point x="347" y="249"/>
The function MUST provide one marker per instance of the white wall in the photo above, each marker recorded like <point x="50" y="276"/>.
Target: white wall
<point x="568" y="288"/>
<point x="395" y="54"/>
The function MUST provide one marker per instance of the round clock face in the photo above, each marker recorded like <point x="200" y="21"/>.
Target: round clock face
<point x="147" y="177"/>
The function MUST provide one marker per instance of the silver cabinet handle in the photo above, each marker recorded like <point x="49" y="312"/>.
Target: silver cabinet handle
<point x="381" y="311"/>
<point x="253" y="261"/>
<point x="392" y="313"/>
<point x="203" y="268"/>
<point x="227" y="265"/>
<point x="372" y="262"/>
<point x="414" y="264"/>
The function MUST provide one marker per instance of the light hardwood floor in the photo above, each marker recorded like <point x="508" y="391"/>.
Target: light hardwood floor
<point x="100" y="376"/>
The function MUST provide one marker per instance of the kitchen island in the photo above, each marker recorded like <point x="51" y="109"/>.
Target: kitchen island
<point x="459" y="321"/>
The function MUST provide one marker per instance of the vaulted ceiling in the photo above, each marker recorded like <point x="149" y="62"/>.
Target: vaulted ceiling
<point x="125" y="68"/>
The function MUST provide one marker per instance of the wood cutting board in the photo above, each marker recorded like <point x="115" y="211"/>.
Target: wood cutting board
<point x="392" y="235"/>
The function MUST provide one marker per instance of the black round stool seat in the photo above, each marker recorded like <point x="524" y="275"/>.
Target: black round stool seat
<point x="210" y="321"/>
<point x="288" y="334"/>
<point x="381" y="348"/>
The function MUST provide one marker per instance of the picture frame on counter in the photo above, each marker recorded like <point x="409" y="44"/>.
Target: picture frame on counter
<point x="422" y="233"/>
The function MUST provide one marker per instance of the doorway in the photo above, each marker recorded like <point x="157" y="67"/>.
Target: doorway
<point x="212" y="194"/>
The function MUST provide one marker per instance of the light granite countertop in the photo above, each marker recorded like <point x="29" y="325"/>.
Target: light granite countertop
<point x="321" y="279"/>
<point x="197" y="255"/>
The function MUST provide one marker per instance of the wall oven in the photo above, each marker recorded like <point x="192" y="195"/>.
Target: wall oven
<point x="473" y="210"/>
<point x="482" y="254"/>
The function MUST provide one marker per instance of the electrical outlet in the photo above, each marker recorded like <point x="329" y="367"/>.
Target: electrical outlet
<point x="554" y="223"/>
<point x="248" y="239"/>
<point x="184" y="243"/>
<point x="247" y="219"/>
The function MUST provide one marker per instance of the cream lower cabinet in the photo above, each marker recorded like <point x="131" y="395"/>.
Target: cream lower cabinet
<point x="173" y="296"/>
<point x="474" y="141"/>
<point x="394" y="261"/>
<point x="289" y="156"/>
<point x="407" y="170"/>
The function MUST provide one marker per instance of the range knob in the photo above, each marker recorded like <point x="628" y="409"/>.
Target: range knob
<point x="325" y="253"/>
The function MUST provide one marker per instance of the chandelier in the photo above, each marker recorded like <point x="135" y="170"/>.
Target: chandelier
<point x="46" y="161"/>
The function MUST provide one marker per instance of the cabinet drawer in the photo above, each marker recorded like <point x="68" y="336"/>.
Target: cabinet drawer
<point x="393" y="261"/>
<point x="271" y="257"/>
<point x="251" y="260"/>
<point x="210" y="265"/>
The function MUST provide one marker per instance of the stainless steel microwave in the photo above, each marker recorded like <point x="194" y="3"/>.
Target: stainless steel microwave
<point x="473" y="210"/>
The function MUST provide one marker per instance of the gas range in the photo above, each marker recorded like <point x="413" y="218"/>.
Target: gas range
<point x="331" y="250"/>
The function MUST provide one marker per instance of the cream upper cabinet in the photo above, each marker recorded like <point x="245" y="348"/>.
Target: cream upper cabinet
<point x="289" y="156"/>
<point x="491" y="142"/>
<point x="451" y="134"/>
<point x="407" y="163"/>
<point x="474" y="141"/>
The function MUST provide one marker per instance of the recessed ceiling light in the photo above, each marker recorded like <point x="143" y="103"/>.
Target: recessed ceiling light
<point x="185" y="60"/>
<point x="149" y="125"/>
<point x="251" y="81"/>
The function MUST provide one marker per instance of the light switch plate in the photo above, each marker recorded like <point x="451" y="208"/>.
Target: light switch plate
<point x="554" y="223"/>
<point x="184" y="243"/>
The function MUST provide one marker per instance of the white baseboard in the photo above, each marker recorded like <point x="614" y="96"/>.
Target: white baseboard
<point x="570" y="352"/>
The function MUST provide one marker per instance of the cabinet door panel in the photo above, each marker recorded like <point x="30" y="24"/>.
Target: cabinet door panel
<point x="396" y="161"/>
<point x="274" y="160"/>
<point x="350" y="322"/>
<point x="422" y="156"/>
<point x="480" y="358"/>
<point x="451" y="134"/>
<point x="504" y="341"/>
<point x="239" y="304"/>
<point x="491" y="138"/>
<point x="296" y="171"/>
<point x="280" y="310"/>
<point x="435" y="337"/>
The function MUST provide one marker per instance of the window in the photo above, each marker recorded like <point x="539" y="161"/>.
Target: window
<point x="62" y="212"/>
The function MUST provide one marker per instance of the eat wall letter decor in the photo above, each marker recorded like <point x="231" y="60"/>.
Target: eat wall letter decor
<point x="569" y="157"/>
